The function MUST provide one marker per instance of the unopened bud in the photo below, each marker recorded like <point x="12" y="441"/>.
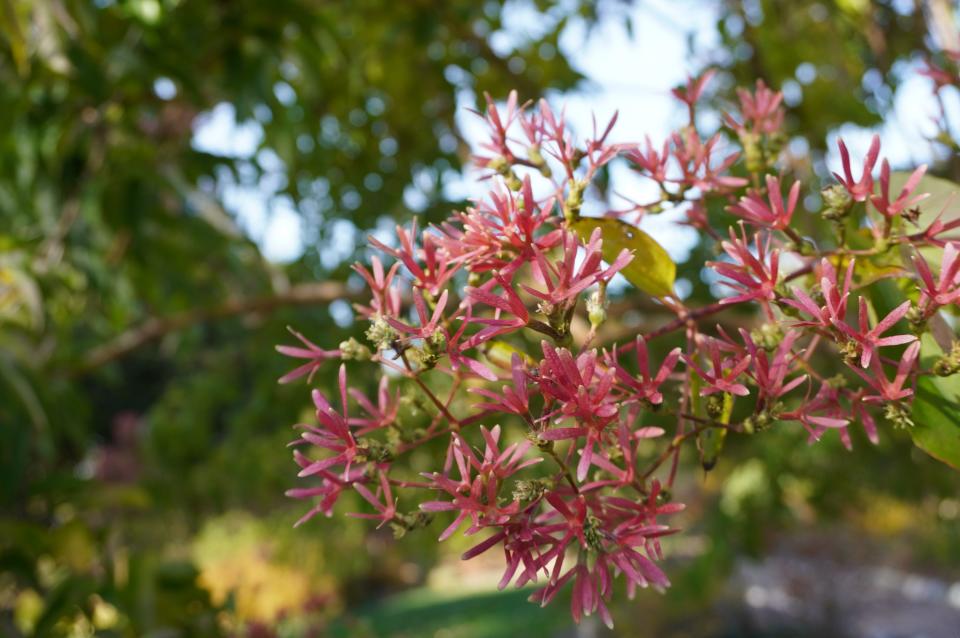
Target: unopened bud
<point x="374" y="451"/>
<point x="544" y="445"/>
<point x="513" y="182"/>
<point x="715" y="405"/>
<point x="838" y="382"/>
<point x="592" y="533"/>
<point x="403" y="523"/>
<point x="916" y="318"/>
<point x="532" y="490"/>
<point x="381" y="334"/>
<point x="763" y="420"/>
<point x="353" y="350"/>
<point x="597" y="308"/>
<point x="837" y="202"/>
<point x="948" y="364"/>
<point x="499" y="164"/>
<point x="536" y="158"/>
<point x="768" y="336"/>
<point x="850" y="350"/>
<point x="752" y="152"/>
<point x="898" y="415"/>
<point x="664" y="496"/>
<point x="571" y="207"/>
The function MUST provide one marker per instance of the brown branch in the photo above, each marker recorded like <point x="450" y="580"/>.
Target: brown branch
<point x="157" y="327"/>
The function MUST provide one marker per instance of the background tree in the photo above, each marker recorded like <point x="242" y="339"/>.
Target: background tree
<point x="138" y="395"/>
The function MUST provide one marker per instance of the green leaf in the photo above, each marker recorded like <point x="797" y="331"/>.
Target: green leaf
<point x="947" y="387"/>
<point x="943" y="202"/>
<point x="936" y="428"/>
<point x="711" y="441"/>
<point x="942" y="193"/>
<point x="651" y="269"/>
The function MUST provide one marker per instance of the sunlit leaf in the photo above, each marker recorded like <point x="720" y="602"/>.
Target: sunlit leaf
<point x="936" y="428"/>
<point x="943" y="202"/>
<point x="944" y="196"/>
<point x="651" y="269"/>
<point x="930" y="352"/>
<point x="501" y="354"/>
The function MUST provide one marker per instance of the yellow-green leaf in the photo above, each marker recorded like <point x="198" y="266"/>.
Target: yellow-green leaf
<point x="944" y="196"/>
<point x="651" y="269"/>
<point x="501" y="354"/>
<point x="711" y="440"/>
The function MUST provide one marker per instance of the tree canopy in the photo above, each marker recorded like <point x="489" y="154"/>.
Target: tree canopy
<point x="140" y="416"/>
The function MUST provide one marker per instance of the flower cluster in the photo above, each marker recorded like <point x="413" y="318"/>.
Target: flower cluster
<point x="555" y="439"/>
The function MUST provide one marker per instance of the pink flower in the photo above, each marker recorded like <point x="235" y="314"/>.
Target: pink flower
<point x="628" y="442"/>
<point x="698" y="166"/>
<point x="821" y="413"/>
<point x="335" y="435"/>
<point x="502" y="234"/>
<point x="868" y="339"/>
<point x="892" y="389"/>
<point x="860" y="190"/>
<point x="583" y="391"/>
<point x="475" y="497"/>
<point x="770" y="376"/>
<point x="946" y="289"/>
<point x="329" y="492"/>
<point x="564" y="280"/>
<point x="387" y="510"/>
<point x="386" y="298"/>
<point x="723" y="373"/>
<point x="651" y="160"/>
<point x="436" y="270"/>
<point x="580" y="386"/>
<point x="457" y="347"/>
<point x="382" y="415"/>
<point x="522" y="542"/>
<point x="429" y="322"/>
<point x="498" y="124"/>
<point x="834" y="310"/>
<point x="862" y="414"/>
<point x="762" y="111"/>
<point x="776" y="214"/>
<point x="882" y="202"/>
<point x="646" y="385"/>
<point x="514" y="399"/>
<point x="313" y="352"/>
<point x="937" y="227"/>
<point x="693" y="91"/>
<point x="752" y="277"/>
<point x="509" y="304"/>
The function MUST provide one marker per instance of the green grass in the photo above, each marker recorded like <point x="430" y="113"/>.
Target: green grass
<point x="428" y="613"/>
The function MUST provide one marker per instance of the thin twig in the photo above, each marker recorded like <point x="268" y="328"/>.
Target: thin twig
<point x="157" y="327"/>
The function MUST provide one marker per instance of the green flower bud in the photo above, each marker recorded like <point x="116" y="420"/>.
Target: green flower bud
<point x="752" y="152"/>
<point x="898" y="415"/>
<point x="837" y="202"/>
<point x="597" y="308"/>
<point x="768" y="336"/>
<point x="916" y="318"/>
<point x="948" y="364"/>
<point x="592" y="533"/>
<point x="403" y="523"/>
<point x="381" y="334"/>
<point x="532" y="490"/>
<point x="353" y="350"/>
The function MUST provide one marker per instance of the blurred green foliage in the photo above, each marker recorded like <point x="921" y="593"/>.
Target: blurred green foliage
<point x="142" y="433"/>
<point x="138" y="393"/>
